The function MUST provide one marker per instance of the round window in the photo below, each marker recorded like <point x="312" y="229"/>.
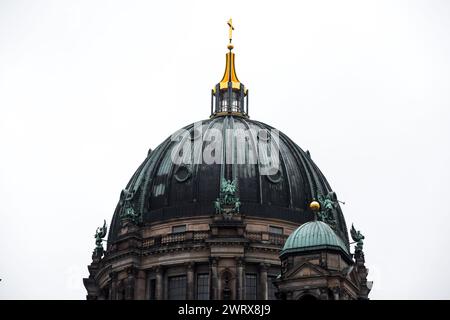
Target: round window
<point x="182" y="173"/>
<point x="275" y="177"/>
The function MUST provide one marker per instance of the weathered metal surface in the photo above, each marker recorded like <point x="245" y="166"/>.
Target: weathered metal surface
<point x="312" y="235"/>
<point x="162" y="189"/>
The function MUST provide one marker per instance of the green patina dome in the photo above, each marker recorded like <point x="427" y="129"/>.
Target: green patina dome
<point x="313" y="235"/>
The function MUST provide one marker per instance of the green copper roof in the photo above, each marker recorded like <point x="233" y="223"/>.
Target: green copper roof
<point x="313" y="235"/>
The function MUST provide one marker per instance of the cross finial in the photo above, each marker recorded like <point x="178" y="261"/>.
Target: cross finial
<point x="230" y="32"/>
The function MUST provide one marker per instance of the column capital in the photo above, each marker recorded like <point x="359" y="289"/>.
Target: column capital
<point x="240" y="261"/>
<point x="113" y="275"/>
<point x="213" y="261"/>
<point x="263" y="266"/>
<point x="131" y="270"/>
<point x="158" y="269"/>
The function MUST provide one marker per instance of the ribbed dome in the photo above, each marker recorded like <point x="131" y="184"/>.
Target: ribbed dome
<point x="313" y="235"/>
<point x="161" y="190"/>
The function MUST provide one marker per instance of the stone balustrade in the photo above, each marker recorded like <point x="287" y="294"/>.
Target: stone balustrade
<point x="200" y="236"/>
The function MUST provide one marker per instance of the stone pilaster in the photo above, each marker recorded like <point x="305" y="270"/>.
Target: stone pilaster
<point x="264" y="291"/>
<point x="166" y="287"/>
<point x="240" y="279"/>
<point x="214" y="279"/>
<point x="190" y="281"/>
<point x="113" y="276"/>
<point x="130" y="283"/>
<point x="147" y="285"/>
<point x="140" y="285"/>
<point x="159" y="283"/>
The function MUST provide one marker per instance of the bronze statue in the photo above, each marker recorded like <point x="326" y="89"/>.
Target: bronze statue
<point x="327" y="208"/>
<point x="99" y="235"/>
<point x="358" y="237"/>
<point x="227" y="199"/>
<point x="128" y="211"/>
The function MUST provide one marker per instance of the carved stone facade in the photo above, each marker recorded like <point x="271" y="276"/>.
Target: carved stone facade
<point x="206" y="214"/>
<point x="213" y="257"/>
<point x="322" y="275"/>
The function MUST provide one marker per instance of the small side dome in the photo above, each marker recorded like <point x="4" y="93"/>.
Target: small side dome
<point x="311" y="236"/>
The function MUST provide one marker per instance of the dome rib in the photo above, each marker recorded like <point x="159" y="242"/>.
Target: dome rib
<point x="172" y="167"/>
<point x="157" y="197"/>
<point x="305" y="173"/>
<point x="303" y="158"/>
<point x="223" y="169"/>
<point x="233" y="153"/>
<point x="199" y="159"/>
<point x="147" y="197"/>
<point x="148" y="170"/>
<point x="260" y="154"/>
<point x="255" y="146"/>
<point x="283" y="161"/>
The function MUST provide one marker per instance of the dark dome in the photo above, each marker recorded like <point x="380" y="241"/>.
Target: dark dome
<point x="161" y="190"/>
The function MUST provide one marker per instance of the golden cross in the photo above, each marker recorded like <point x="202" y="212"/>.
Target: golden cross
<point x="230" y="24"/>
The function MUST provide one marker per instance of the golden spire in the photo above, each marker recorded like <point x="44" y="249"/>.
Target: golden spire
<point x="230" y="70"/>
<point x="229" y="96"/>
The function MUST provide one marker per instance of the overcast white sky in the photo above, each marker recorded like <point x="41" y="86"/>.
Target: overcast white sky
<point x="87" y="87"/>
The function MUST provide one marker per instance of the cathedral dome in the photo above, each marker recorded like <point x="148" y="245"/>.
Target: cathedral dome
<point x="163" y="189"/>
<point x="314" y="235"/>
<point x="183" y="177"/>
<point x="207" y="213"/>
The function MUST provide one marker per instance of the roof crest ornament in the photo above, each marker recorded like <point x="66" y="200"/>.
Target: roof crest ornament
<point x="230" y="33"/>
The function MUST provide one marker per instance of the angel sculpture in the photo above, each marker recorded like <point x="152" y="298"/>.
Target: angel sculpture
<point x="99" y="235"/>
<point x="327" y="208"/>
<point x="227" y="199"/>
<point x="358" y="238"/>
<point x="128" y="211"/>
<point x="228" y="190"/>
